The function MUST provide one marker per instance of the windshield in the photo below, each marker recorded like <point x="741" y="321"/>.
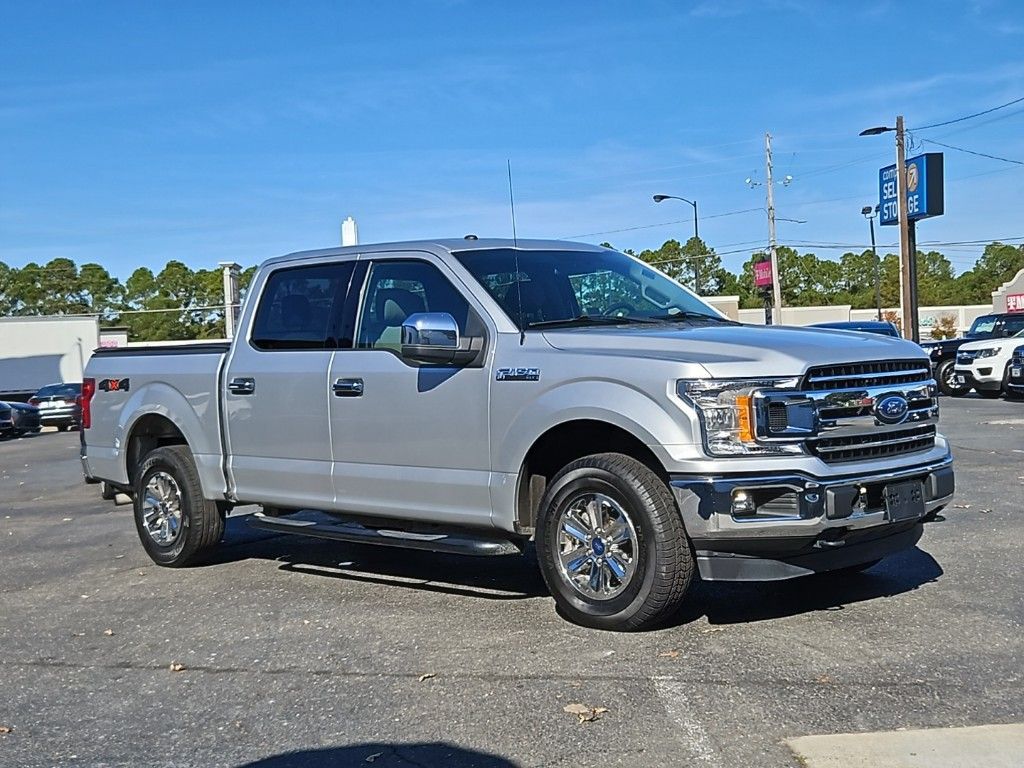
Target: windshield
<point x="982" y="326"/>
<point x="550" y="287"/>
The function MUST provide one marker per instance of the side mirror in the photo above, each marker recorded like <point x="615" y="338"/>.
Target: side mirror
<point x="430" y="337"/>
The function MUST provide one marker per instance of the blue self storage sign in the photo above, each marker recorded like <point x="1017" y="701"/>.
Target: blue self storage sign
<point x="924" y="189"/>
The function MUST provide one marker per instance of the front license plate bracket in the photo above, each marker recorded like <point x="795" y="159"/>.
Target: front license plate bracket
<point x="904" y="501"/>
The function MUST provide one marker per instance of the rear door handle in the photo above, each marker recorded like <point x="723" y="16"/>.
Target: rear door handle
<point x="348" y="388"/>
<point x="242" y="386"/>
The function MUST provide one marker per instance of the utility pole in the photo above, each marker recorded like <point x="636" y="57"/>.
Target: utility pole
<point x="231" y="272"/>
<point x="772" y="249"/>
<point x="908" y="253"/>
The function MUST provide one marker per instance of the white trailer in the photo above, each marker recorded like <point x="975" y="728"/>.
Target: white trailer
<point x="35" y="351"/>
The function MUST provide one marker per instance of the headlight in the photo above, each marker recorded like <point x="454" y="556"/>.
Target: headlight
<point x="726" y="410"/>
<point x="989" y="351"/>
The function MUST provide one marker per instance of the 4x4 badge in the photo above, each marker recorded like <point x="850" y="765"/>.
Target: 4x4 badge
<point x="114" y="385"/>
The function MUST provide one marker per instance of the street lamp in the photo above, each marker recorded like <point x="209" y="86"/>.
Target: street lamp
<point x="696" y="267"/>
<point x="908" y="248"/>
<point x="869" y="213"/>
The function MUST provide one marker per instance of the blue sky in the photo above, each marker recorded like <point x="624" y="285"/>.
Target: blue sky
<point x="133" y="133"/>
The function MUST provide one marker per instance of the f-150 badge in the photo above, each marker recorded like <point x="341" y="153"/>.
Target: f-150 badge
<point x="114" y="385"/>
<point x="517" y="374"/>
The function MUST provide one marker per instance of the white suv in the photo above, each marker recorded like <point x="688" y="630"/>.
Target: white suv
<point x="983" y="364"/>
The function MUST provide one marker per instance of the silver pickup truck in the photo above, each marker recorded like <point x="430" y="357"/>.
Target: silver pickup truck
<point x="469" y="396"/>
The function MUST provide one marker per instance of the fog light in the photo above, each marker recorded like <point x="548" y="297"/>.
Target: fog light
<point x="743" y="503"/>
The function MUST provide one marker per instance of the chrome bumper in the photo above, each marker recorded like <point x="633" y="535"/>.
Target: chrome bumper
<point x="823" y="518"/>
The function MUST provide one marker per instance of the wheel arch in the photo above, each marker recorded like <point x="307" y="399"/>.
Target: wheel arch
<point x="564" y="443"/>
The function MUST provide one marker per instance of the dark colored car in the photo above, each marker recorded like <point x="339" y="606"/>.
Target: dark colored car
<point x="26" y="418"/>
<point x="943" y="353"/>
<point x="1015" y="375"/>
<point x="864" y="326"/>
<point x="58" y="405"/>
<point x="6" y="420"/>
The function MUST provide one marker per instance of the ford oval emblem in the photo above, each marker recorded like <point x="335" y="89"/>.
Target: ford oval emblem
<point x="892" y="409"/>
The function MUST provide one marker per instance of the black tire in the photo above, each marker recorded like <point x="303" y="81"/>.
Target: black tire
<point x="944" y="377"/>
<point x="107" y="491"/>
<point x="201" y="524"/>
<point x="663" y="562"/>
<point x="62" y="427"/>
<point x="989" y="394"/>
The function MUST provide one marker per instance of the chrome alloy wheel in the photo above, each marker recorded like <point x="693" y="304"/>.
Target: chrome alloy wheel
<point x="161" y="509"/>
<point x="597" y="546"/>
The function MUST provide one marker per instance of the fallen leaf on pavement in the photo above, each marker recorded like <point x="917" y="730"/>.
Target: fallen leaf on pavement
<point x="176" y="666"/>
<point x="961" y="506"/>
<point x="108" y="632"/>
<point x="709" y="630"/>
<point x="984" y="511"/>
<point x="669" y="654"/>
<point x="5" y="729"/>
<point x="584" y="713"/>
<point x="825" y="680"/>
<point x="427" y="676"/>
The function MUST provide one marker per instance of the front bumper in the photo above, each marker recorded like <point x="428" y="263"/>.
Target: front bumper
<point x="806" y="524"/>
<point x="981" y="374"/>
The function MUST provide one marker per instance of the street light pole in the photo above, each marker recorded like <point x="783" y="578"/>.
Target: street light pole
<point x="870" y="213"/>
<point x="772" y="249"/>
<point x="696" y="235"/>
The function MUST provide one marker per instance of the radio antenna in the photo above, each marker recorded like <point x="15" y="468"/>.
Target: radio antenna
<point x="515" y="255"/>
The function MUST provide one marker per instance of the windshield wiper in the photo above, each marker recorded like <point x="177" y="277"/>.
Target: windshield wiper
<point x="686" y="314"/>
<point x="584" y="320"/>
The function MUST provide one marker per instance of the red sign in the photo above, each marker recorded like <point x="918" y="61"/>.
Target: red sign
<point x="1015" y="302"/>
<point x="763" y="275"/>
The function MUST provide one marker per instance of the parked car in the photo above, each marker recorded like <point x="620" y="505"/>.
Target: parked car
<point x="943" y="352"/>
<point x="985" y="365"/>
<point x="6" y="420"/>
<point x="469" y="396"/>
<point x="58" y="405"/>
<point x="25" y="417"/>
<point x="881" y="327"/>
<point x="1015" y="376"/>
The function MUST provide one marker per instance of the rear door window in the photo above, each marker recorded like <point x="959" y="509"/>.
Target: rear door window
<point x="301" y="308"/>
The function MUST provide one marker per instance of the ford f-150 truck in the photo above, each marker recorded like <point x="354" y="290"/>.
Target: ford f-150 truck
<point x="469" y="396"/>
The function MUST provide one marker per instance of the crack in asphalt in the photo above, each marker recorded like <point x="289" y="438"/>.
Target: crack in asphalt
<point x="493" y="676"/>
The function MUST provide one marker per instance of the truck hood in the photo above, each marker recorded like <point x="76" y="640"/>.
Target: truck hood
<point x="737" y="351"/>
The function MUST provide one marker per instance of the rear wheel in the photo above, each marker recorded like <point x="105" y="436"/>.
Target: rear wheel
<point x="611" y="544"/>
<point x="62" y="427"/>
<point x="944" y="374"/>
<point x="175" y="523"/>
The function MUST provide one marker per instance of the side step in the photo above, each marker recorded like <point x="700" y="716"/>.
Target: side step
<point x="450" y="543"/>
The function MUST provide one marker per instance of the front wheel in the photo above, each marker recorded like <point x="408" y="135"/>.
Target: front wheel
<point x="945" y="376"/>
<point x="175" y="523"/>
<point x="990" y="394"/>
<point x="611" y="544"/>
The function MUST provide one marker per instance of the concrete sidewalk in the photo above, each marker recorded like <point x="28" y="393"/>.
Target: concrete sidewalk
<point x="988" y="746"/>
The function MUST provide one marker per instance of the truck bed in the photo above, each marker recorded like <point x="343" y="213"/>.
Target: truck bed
<point x="178" y="383"/>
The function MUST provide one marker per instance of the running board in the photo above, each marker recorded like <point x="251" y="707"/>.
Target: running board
<point x="454" y="544"/>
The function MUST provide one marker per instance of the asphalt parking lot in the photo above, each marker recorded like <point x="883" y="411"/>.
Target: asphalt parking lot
<point x="291" y="651"/>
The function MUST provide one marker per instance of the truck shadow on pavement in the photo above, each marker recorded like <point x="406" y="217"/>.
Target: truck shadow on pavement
<point x="736" y="603"/>
<point x="518" y="578"/>
<point x="384" y="755"/>
<point x="508" y="577"/>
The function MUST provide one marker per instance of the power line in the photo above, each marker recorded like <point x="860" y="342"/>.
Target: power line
<point x="663" y="224"/>
<point x="969" y="117"/>
<point x="972" y="152"/>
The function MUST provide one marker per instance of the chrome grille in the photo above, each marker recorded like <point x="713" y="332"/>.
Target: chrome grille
<point x="1018" y="356"/>
<point x="873" y="374"/>
<point x="877" y="446"/>
<point x="849" y="426"/>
